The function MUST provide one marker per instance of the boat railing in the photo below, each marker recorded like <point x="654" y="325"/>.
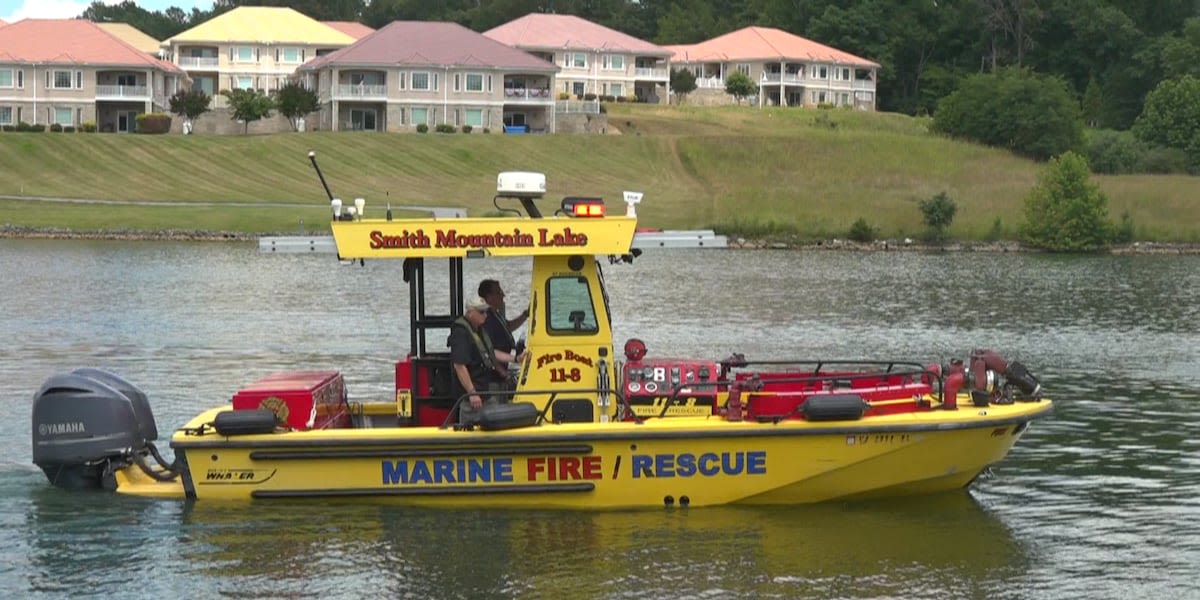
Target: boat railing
<point x="511" y="395"/>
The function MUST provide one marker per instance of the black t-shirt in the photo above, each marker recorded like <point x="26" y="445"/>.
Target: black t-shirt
<point x="497" y="329"/>
<point x="464" y="350"/>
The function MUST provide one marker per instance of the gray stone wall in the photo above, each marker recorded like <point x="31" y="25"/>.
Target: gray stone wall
<point x="581" y="123"/>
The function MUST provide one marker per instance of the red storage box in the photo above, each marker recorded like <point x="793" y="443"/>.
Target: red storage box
<point x="302" y="399"/>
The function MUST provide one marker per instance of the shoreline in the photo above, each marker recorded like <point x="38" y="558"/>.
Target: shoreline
<point x="182" y="235"/>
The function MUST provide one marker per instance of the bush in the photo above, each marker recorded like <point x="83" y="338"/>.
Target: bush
<point x="153" y="123"/>
<point x="1114" y="152"/>
<point x="589" y="96"/>
<point x="9" y="128"/>
<point x="1034" y="115"/>
<point x="1065" y="211"/>
<point x="422" y="128"/>
<point x="938" y="213"/>
<point x="445" y="128"/>
<point x="88" y="127"/>
<point x="1124" y="231"/>
<point x="564" y="96"/>
<point x="861" y="231"/>
<point x="68" y="129"/>
<point x="55" y="127"/>
<point x="1163" y="161"/>
<point x="37" y="127"/>
<point x="486" y="130"/>
<point x="466" y="129"/>
<point x="23" y="126"/>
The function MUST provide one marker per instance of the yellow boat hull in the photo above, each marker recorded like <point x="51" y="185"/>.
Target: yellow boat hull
<point x="681" y="461"/>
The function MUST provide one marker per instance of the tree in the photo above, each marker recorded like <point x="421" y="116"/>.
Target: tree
<point x="683" y="82"/>
<point x="938" y="213"/>
<point x="294" y="101"/>
<point x="1031" y="114"/>
<point x="189" y="103"/>
<point x="1171" y="116"/>
<point x="1065" y="211"/>
<point x="248" y="106"/>
<point x="739" y="85"/>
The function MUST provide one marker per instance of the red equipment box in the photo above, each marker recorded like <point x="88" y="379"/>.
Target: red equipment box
<point x="302" y="399"/>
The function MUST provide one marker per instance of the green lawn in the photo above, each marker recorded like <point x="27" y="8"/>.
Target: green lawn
<point x="740" y="169"/>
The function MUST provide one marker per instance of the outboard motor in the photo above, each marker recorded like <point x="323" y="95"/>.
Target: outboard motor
<point x="86" y="425"/>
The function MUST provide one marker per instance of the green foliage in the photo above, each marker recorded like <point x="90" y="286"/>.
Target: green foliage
<point x="153" y="123"/>
<point x="996" y="233"/>
<point x="295" y="101"/>
<point x="1171" y="117"/>
<point x="938" y="213"/>
<point x="683" y="82"/>
<point x="1115" y="152"/>
<point x="739" y="85"/>
<point x="467" y="128"/>
<point x="422" y="128"/>
<point x="55" y="127"/>
<point x="1065" y="211"/>
<point x="189" y="104"/>
<point x="1092" y="104"/>
<point x="248" y="106"/>
<point x="445" y="128"/>
<point x="1031" y="114"/>
<point x="1125" y="231"/>
<point x="88" y="127"/>
<point x="862" y="231"/>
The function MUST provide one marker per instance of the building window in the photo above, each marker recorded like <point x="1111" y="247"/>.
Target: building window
<point x="362" y="119"/>
<point x="6" y="78"/>
<point x="744" y="69"/>
<point x="59" y="80"/>
<point x="289" y="55"/>
<point x="456" y="82"/>
<point x="474" y="117"/>
<point x="420" y="115"/>
<point x="616" y="89"/>
<point x="577" y="88"/>
<point x="844" y="99"/>
<point x="62" y="116"/>
<point x="841" y="74"/>
<point x="6" y="115"/>
<point x="615" y="62"/>
<point x="821" y="72"/>
<point x="127" y="80"/>
<point x="403" y="77"/>
<point x="578" y="60"/>
<point x="420" y="81"/>
<point x="242" y="54"/>
<point x="474" y="82"/>
<point x="20" y="79"/>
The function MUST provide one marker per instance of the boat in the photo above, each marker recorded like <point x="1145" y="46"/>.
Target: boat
<point x="587" y="423"/>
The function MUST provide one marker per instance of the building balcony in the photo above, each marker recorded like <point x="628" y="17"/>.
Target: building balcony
<point x="652" y="73"/>
<point x="198" y="62"/>
<point x="361" y="91"/>
<point x="528" y="95"/>
<point x="782" y="78"/>
<point x="122" y="92"/>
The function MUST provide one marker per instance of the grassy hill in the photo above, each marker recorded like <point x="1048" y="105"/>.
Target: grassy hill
<point x="737" y="169"/>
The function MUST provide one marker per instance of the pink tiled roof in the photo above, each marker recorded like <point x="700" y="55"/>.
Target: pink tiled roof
<point x="2" y="23"/>
<point x="432" y="44"/>
<point x="763" y="43"/>
<point x="537" y="31"/>
<point x="70" y="41"/>
<point x="353" y="29"/>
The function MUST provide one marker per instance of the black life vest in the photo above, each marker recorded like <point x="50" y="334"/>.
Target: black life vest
<point x="483" y="344"/>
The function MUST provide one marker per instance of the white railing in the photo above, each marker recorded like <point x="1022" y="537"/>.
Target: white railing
<point x="651" y="73"/>
<point x="122" y="91"/>
<point x="529" y="94"/>
<point x="359" y="90"/>
<point x="863" y="84"/>
<point x="194" y="62"/>
<point x="784" y="78"/>
<point x="591" y="107"/>
<point x="710" y="82"/>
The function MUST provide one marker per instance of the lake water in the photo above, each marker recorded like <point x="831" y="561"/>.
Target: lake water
<point x="1100" y="501"/>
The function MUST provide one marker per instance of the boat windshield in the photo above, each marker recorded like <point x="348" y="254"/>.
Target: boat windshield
<point x="569" y="305"/>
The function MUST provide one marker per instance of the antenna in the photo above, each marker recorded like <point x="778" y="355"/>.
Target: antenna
<point x="312" y="156"/>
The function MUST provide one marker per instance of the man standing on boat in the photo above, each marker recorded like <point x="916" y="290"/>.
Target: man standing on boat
<point x="475" y="360"/>
<point x="498" y="326"/>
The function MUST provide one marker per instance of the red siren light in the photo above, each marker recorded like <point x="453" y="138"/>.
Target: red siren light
<point x="583" y="207"/>
<point x="635" y="349"/>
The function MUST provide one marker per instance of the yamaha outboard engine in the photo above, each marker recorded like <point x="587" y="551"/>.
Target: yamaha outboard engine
<point x="86" y="425"/>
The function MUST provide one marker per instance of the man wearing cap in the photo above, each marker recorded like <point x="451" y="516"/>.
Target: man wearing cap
<point x="474" y="359"/>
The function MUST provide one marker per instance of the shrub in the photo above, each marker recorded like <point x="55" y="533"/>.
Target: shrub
<point x="422" y="128"/>
<point x="564" y="96"/>
<point x="486" y="130"/>
<point x="1065" y="211"/>
<point x="861" y="231"/>
<point x="1114" y="152"/>
<point x="996" y="233"/>
<point x="68" y="129"/>
<point x="466" y="129"/>
<point x="153" y="123"/>
<point x="1163" y="161"/>
<point x="55" y="127"/>
<point x="88" y="127"/>
<point x="38" y="127"/>
<point x="23" y="126"/>
<point x="631" y="98"/>
<point x="445" y="128"/>
<point x="938" y="213"/>
<point x="9" y="128"/>
<point x="1124" y="231"/>
<point x="589" y="96"/>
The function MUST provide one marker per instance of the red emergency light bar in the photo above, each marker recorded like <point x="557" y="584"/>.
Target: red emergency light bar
<point x="583" y="207"/>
